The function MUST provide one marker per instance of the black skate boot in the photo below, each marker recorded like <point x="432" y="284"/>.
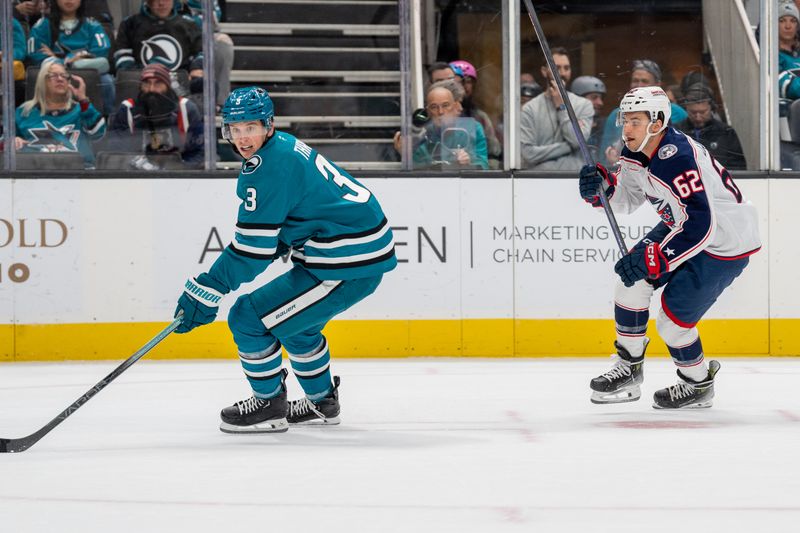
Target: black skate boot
<point x="621" y="383"/>
<point x="255" y="415"/>
<point x="322" y="412"/>
<point x="688" y="394"/>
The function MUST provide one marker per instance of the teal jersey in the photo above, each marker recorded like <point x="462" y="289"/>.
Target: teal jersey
<point x="87" y="36"/>
<point x="69" y="130"/>
<point x="294" y="198"/>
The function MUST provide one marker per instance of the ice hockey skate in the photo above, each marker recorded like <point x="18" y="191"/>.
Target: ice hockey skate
<point x="256" y="415"/>
<point x="623" y="382"/>
<point x="322" y="412"/>
<point x="688" y="394"/>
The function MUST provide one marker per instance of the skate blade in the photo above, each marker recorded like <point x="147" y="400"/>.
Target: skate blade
<point x="698" y="405"/>
<point x="621" y="396"/>
<point x="269" y="426"/>
<point x="332" y="421"/>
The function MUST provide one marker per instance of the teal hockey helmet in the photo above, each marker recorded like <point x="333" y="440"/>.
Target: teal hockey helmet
<point x="246" y="104"/>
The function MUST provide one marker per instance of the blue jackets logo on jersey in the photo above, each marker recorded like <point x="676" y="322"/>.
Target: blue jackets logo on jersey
<point x="667" y="151"/>
<point x="163" y="49"/>
<point x="251" y="165"/>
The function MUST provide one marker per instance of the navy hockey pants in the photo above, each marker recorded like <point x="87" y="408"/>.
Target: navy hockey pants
<point x="689" y="292"/>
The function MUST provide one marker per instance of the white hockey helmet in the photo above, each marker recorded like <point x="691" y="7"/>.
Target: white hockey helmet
<point x="651" y="100"/>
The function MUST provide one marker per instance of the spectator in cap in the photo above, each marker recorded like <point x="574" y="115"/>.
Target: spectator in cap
<point x="594" y="90"/>
<point x="529" y="91"/>
<point x="789" y="53"/>
<point x="466" y="73"/>
<point x="644" y="73"/>
<point x="719" y="139"/>
<point x="157" y="122"/>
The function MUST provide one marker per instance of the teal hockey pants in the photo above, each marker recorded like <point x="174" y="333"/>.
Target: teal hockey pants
<point x="291" y="311"/>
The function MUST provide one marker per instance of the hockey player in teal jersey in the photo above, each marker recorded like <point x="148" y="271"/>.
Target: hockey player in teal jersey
<point x="293" y="200"/>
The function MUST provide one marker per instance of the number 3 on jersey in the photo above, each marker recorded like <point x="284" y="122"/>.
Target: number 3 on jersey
<point x="250" y="200"/>
<point x="359" y="194"/>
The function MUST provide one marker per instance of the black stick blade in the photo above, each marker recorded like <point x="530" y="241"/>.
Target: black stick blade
<point x="13" y="445"/>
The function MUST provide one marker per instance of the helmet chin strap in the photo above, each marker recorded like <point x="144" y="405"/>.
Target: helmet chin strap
<point x="648" y="136"/>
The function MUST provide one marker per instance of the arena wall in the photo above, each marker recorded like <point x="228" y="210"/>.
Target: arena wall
<point x="92" y="268"/>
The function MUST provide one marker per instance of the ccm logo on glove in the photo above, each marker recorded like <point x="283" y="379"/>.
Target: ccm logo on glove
<point x="655" y="260"/>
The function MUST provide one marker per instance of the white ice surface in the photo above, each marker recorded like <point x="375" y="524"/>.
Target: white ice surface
<point x="426" y="445"/>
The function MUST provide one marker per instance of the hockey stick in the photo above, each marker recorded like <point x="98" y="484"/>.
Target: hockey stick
<point x="23" y="443"/>
<point x="587" y="156"/>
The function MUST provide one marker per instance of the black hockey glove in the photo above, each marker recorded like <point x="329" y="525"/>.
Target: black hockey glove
<point x="644" y="262"/>
<point x="199" y="302"/>
<point x="591" y="177"/>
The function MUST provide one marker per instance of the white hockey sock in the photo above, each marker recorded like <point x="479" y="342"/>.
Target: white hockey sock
<point x="697" y="372"/>
<point x="634" y="345"/>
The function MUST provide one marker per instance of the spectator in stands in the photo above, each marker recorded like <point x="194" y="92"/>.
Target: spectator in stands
<point x="98" y="10"/>
<point x="594" y="90"/>
<point x="29" y="11"/>
<point x="157" y="122"/>
<point x="158" y="34"/>
<point x="223" y="49"/>
<point x="719" y="139"/>
<point x="526" y="78"/>
<point x="468" y="76"/>
<point x="528" y="91"/>
<point x="548" y="139"/>
<point x="20" y="50"/>
<point x="644" y="73"/>
<point x="789" y="54"/>
<point x="59" y="117"/>
<point x="447" y="138"/>
<point x="440" y="71"/>
<point x="68" y="34"/>
<point x="18" y="58"/>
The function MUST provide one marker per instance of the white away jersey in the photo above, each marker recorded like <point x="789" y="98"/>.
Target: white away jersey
<point x="695" y="197"/>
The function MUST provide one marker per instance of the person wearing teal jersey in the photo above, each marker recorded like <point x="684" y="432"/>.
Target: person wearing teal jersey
<point x="59" y="117"/>
<point x="293" y="200"/>
<point x="80" y="41"/>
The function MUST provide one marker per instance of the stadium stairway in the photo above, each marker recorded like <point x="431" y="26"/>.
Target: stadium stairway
<point x="332" y="68"/>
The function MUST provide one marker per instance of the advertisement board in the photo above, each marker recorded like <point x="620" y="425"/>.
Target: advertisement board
<point x="486" y="266"/>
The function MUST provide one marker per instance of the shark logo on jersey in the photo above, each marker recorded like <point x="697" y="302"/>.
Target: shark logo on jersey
<point x="163" y="49"/>
<point x="663" y="209"/>
<point x="251" y="165"/>
<point x="53" y="139"/>
<point x="667" y="151"/>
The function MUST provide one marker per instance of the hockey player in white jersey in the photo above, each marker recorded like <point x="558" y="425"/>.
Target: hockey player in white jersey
<point x="703" y="242"/>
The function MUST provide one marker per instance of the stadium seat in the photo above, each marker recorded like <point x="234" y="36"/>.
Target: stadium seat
<point x="126" y="161"/>
<point x="49" y="161"/>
